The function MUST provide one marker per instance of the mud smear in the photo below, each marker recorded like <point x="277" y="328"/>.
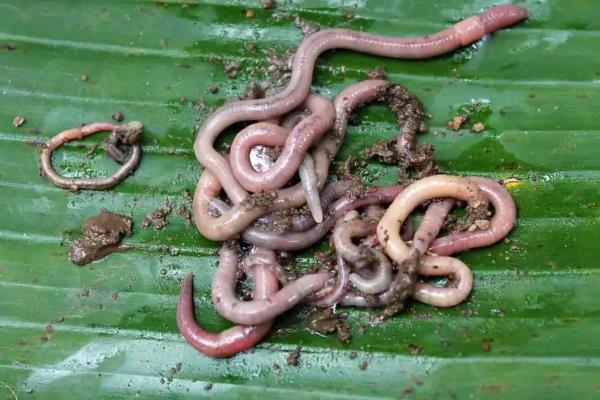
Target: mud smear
<point x="102" y="235"/>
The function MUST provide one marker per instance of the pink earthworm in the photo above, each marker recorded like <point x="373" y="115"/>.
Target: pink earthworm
<point x="444" y="296"/>
<point x="362" y="256"/>
<point x="134" y="129"/>
<point x="264" y="258"/>
<point x="257" y="311"/>
<point x="432" y="222"/>
<point x="380" y="278"/>
<point x="330" y="295"/>
<point x="230" y="341"/>
<point x="409" y="258"/>
<point x="461" y="34"/>
<point x="501" y="223"/>
<point x="343" y="233"/>
<point x="303" y="135"/>
<point x="294" y="241"/>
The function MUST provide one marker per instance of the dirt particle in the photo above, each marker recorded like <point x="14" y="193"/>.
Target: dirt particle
<point x="158" y="217"/>
<point x="306" y="27"/>
<point x="102" y="235"/>
<point x="415" y="348"/>
<point x="231" y="68"/>
<point x="268" y="4"/>
<point x="384" y="151"/>
<point x="253" y="91"/>
<point x="208" y="386"/>
<point x="293" y="358"/>
<point x="84" y="77"/>
<point x="251" y="47"/>
<point x="184" y="213"/>
<point x="498" y="312"/>
<point x="259" y="200"/>
<point x="118" y="116"/>
<point x="186" y="195"/>
<point x="214" y="89"/>
<point x="457" y="122"/>
<point x="493" y="388"/>
<point x="478" y="127"/>
<point x="60" y="319"/>
<point x="250" y="14"/>
<point x="276" y="368"/>
<point x="8" y="47"/>
<point x="347" y="14"/>
<point x="18" y="121"/>
<point x="468" y="312"/>
<point x="363" y="365"/>
<point x="353" y="355"/>
<point x="487" y="345"/>
<point x="377" y="73"/>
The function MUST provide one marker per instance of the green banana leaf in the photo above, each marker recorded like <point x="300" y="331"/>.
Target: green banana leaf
<point x="108" y="330"/>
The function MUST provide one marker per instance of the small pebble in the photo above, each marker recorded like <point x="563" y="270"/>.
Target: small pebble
<point x="250" y="14"/>
<point x="267" y="4"/>
<point x="18" y="121"/>
<point x="482" y="224"/>
<point x="478" y="127"/>
<point x="487" y="345"/>
<point x="118" y="116"/>
<point x="214" y="89"/>
<point x="85" y="77"/>
<point x="457" y="122"/>
<point x="363" y="365"/>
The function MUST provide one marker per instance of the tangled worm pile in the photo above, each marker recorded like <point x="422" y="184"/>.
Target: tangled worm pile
<point x="280" y="162"/>
<point x="296" y="134"/>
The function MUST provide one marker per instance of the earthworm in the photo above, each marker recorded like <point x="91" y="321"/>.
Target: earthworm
<point x="461" y="34"/>
<point x="432" y="222"/>
<point x="388" y="229"/>
<point x="264" y="258"/>
<point x="257" y="311"/>
<point x="500" y="224"/>
<point x="133" y="129"/>
<point x="294" y="241"/>
<point x="332" y="294"/>
<point x="381" y="276"/>
<point x="303" y="135"/>
<point x="443" y="296"/>
<point x="230" y="341"/>
<point x="342" y="236"/>
<point x="308" y="177"/>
